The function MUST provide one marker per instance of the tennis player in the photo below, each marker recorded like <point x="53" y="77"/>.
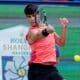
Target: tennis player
<point x="42" y="40"/>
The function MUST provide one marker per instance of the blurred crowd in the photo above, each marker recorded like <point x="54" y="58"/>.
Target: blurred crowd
<point x="44" y="0"/>
<point x="59" y="0"/>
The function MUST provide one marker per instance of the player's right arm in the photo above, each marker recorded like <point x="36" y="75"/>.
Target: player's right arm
<point x="36" y="34"/>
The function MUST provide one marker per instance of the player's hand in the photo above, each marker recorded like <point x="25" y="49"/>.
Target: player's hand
<point x="64" y="22"/>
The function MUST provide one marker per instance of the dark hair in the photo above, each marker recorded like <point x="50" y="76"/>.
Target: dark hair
<point x="30" y="9"/>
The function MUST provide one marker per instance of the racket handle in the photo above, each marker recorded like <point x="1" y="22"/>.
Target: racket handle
<point x="45" y="18"/>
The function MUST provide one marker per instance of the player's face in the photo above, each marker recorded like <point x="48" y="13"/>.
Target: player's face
<point x="33" y="19"/>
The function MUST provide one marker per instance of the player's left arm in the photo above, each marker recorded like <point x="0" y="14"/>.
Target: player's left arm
<point x="60" y="40"/>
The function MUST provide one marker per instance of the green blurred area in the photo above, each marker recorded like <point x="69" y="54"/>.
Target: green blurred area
<point x="55" y="11"/>
<point x="11" y="11"/>
<point x="13" y="15"/>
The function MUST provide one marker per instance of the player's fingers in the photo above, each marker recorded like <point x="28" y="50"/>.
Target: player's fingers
<point x="65" y="20"/>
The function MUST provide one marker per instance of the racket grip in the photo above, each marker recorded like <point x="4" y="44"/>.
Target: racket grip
<point x="45" y="19"/>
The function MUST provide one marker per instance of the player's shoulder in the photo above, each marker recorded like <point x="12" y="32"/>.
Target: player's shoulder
<point x="49" y="25"/>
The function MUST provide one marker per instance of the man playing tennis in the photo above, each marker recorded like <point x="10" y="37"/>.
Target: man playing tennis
<point x="42" y="40"/>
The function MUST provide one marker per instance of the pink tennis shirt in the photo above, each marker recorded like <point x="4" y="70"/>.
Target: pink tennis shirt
<point x="43" y="50"/>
